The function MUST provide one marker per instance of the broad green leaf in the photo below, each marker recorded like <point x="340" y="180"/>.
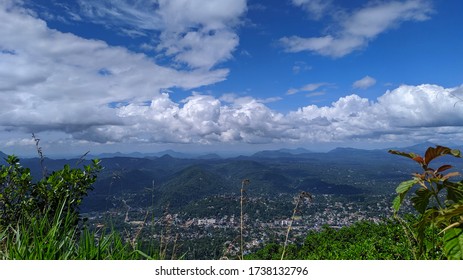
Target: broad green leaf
<point x="450" y="213"/>
<point x="421" y="200"/>
<point x="455" y="153"/>
<point x="408" y="155"/>
<point x="454" y="191"/>
<point x="453" y="244"/>
<point x="405" y="186"/>
<point x="402" y="190"/>
<point x="396" y="203"/>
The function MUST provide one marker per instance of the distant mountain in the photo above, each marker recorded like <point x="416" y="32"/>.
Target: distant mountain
<point x="351" y="151"/>
<point x="296" y="151"/>
<point x="419" y="148"/>
<point x="3" y="157"/>
<point x="209" y="156"/>
<point x="281" y="153"/>
<point x="174" y="154"/>
<point x="171" y="153"/>
<point x="119" y="154"/>
<point x="182" y="180"/>
<point x="352" y="155"/>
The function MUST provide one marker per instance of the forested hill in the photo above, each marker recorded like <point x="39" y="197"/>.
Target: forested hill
<point x="180" y="181"/>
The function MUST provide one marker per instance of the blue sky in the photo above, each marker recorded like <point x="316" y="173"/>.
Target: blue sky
<point x="229" y="75"/>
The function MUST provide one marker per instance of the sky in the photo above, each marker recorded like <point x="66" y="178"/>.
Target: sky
<point x="228" y="75"/>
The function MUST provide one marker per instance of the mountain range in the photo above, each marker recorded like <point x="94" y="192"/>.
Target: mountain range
<point x="177" y="179"/>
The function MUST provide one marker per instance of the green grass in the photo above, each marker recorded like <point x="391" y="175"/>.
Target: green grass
<point x="57" y="238"/>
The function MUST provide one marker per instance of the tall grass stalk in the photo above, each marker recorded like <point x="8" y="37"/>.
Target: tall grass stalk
<point x="242" y="198"/>
<point x="300" y="198"/>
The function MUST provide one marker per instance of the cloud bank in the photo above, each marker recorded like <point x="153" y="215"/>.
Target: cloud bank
<point x="92" y="92"/>
<point x="424" y="111"/>
<point x="354" y="30"/>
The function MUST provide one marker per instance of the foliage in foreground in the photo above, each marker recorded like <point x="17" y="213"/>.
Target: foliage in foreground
<point x="360" y="241"/>
<point x="58" y="239"/>
<point x="40" y="220"/>
<point x="439" y="202"/>
<point x="435" y="233"/>
<point x="22" y="198"/>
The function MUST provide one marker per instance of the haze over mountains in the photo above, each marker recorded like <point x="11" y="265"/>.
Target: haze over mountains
<point x="283" y="152"/>
<point x="179" y="179"/>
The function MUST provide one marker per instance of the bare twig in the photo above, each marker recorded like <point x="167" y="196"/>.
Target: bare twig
<point x="82" y="158"/>
<point x="300" y="198"/>
<point x="243" y="192"/>
<point x="41" y="157"/>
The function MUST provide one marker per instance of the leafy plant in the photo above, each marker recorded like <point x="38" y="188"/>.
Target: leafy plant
<point x="438" y="200"/>
<point x="21" y="197"/>
<point x="56" y="238"/>
<point x="362" y="240"/>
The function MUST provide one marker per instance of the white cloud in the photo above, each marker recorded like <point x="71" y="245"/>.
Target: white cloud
<point x="315" y="93"/>
<point x="307" y="88"/>
<point x="314" y="86"/>
<point x="64" y="82"/>
<point x="200" y="34"/>
<point x="398" y="115"/>
<point x="64" y="85"/>
<point x="364" y="83"/>
<point x="315" y="8"/>
<point x="292" y="91"/>
<point x="358" y="28"/>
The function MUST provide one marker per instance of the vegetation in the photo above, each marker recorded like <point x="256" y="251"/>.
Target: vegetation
<point x="361" y="241"/>
<point x="56" y="238"/>
<point x="41" y="219"/>
<point x="439" y="202"/>
<point x="303" y="196"/>
<point x="435" y="233"/>
<point x="62" y="190"/>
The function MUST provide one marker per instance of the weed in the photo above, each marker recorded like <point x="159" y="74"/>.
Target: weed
<point x="303" y="196"/>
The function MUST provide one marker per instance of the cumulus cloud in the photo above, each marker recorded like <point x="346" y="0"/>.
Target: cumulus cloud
<point x="88" y="91"/>
<point x="356" y="29"/>
<point x="364" y="83"/>
<point x="199" y="34"/>
<point x="422" y="112"/>
<point x="64" y="82"/>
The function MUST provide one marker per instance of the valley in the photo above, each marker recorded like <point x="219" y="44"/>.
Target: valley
<point x="190" y="207"/>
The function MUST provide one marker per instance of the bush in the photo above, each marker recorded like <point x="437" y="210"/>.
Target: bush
<point x="62" y="190"/>
<point x="439" y="202"/>
<point x="360" y="241"/>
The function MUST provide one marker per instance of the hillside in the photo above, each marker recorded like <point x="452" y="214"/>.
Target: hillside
<point x="199" y="200"/>
<point x="157" y="181"/>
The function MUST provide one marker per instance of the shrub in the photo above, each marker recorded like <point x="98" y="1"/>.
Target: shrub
<point x="439" y="202"/>
<point x="62" y="190"/>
